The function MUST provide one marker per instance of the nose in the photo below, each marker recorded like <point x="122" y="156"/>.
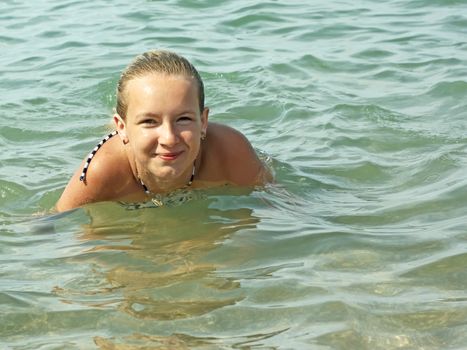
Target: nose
<point x="168" y="135"/>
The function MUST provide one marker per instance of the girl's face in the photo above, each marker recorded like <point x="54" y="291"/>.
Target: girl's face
<point x="163" y="126"/>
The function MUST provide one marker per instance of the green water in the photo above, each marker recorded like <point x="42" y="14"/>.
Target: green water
<point x="360" y="244"/>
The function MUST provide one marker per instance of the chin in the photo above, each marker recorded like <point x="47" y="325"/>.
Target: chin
<point x="168" y="172"/>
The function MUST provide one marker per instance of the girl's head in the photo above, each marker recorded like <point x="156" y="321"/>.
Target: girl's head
<point x="157" y="62"/>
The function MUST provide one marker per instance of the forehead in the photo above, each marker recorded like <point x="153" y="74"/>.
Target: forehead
<point x="161" y="92"/>
<point x="160" y="81"/>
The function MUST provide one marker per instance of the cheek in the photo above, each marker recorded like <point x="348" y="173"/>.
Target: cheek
<point x="143" y="140"/>
<point x="189" y="137"/>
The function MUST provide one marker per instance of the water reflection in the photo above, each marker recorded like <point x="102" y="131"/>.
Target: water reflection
<point x="153" y="264"/>
<point x="138" y="341"/>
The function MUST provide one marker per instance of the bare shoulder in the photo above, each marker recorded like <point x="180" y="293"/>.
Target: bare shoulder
<point x="234" y="157"/>
<point x="226" y="136"/>
<point x="107" y="178"/>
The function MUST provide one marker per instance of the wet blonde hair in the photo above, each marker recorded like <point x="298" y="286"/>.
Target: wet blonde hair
<point x="161" y="62"/>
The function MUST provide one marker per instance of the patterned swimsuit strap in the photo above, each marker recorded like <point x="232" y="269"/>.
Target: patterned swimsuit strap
<point x="91" y="155"/>
<point x="99" y="145"/>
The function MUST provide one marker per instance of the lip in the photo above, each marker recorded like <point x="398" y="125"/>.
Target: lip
<point x="169" y="156"/>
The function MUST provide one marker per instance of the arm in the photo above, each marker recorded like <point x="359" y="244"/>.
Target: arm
<point x="108" y="178"/>
<point x="78" y="193"/>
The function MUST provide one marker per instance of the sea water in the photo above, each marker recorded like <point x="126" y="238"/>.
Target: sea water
<point x="361" y="241"/>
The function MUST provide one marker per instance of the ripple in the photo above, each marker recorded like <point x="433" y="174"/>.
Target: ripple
<point x="420" y="3"/>
<point x="452" y="89"/>
<point x="251" y="21"/>
<point x="69" y="44"/>
<point x="6" y="40"/>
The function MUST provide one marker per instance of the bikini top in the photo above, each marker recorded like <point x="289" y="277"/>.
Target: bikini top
<point x="99" y="145"/>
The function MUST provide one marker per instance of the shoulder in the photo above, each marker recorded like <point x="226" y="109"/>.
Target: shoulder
<point x="107" y="166"/>
<point x="232" y="156"/>
<point x="227" y="138"/>
<point x="107" y="177"/>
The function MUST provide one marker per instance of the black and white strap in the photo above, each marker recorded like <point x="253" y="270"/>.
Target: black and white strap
<point x="148" y="192"/>
<point x="93" y="152"/>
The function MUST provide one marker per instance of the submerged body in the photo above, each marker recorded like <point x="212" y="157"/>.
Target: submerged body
<point x="164" y="143"/>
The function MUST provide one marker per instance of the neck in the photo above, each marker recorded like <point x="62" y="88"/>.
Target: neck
<point x="157" y="186"/>
<point x="165" y="187"/>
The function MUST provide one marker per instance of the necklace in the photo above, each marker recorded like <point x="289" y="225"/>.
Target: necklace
<point x="157" y="198"/>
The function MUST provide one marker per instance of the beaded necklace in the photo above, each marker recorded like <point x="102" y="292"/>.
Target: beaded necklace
<point x="158" y="199"/>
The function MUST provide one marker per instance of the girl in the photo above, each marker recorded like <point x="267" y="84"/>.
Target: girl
<point x="162" y="141"/>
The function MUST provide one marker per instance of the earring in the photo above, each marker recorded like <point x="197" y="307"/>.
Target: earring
<point x="125" y="141"/>
<point x="203" y="135"/>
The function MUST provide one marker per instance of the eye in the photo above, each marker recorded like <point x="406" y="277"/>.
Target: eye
<point x="148" y="122"/>
<point x="184" y="120"/>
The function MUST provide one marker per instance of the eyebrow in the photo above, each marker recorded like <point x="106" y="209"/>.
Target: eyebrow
<point x="187" y="112"/>
<point x="154" y="115"/>
<point x="146" y="115"/>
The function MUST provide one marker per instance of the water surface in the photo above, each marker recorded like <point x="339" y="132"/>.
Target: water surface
<point x="361" y="242"/>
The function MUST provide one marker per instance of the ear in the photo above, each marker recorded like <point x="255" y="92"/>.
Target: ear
<point x="120" y="126"/>
<point x="204" y="120"/>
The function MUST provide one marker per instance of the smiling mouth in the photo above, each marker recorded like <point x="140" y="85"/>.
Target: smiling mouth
<point x="169" y="155"/>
